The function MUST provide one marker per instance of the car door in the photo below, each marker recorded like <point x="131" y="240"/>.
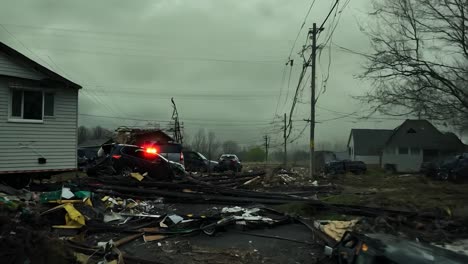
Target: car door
<point x="133" y="158"/>
<point x="189" y="160"/>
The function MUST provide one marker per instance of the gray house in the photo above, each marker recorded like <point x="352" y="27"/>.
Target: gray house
<point x="366" y="144"/>
<point x="38" y="117"/>
<point x="404" y="148"/>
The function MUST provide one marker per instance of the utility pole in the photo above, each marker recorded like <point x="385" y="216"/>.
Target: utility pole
<point x="312" y="102"/>
<point x="266" y="147"/>
<point x="285" y="157"/>
<point x="175" y="116"/>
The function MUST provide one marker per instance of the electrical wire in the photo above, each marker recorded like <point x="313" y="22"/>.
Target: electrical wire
<point x="280" y="91"/>
<point x="289" y="82"/>
<point x="300" y="29"/>
<point x="24" y="46"/>
<point x="148" y="56"/>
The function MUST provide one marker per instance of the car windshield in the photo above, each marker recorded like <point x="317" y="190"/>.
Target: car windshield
<point x="331" y="115"/>
<point x="228" y="157"/>
<point x="201" y="156"/>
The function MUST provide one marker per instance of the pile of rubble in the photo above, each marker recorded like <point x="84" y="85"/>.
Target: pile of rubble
<point x="97" y="225"/>
<point x="105" y="219"/>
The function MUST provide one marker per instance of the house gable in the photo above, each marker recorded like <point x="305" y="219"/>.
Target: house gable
<point x="368" y="142"/>
<point x="10" y="66"/>
<point x="422" y="134"/>
<point x="15" y="64"/>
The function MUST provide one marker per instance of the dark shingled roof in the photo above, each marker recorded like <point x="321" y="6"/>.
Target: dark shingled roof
<point x="425" y="135"/>
<point x="369" y="142"/>
<point x="411" y="133"/>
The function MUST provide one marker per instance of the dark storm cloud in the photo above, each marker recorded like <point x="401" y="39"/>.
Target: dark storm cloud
<point x="221" y="60"/>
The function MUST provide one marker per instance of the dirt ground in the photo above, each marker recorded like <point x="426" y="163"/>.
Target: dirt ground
<point x="410" y="191"/>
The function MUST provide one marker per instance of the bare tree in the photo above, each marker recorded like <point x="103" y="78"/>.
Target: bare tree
<point x="83" y="134"/>
<point x="213" y="145"/>
<point x="100" y="132"/>
<point x="199" y="142"/>
<point x="419" y="63"/>
<point x="230" y="146"/>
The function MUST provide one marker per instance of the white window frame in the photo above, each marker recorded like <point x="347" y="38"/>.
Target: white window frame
<point x="15" y="119"/>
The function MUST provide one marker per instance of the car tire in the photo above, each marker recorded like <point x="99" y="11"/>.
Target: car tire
<point x="443" y="176"/>
<point x="126" y="171"/>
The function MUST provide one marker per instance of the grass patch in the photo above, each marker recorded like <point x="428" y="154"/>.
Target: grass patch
<point x="376" y="188"/>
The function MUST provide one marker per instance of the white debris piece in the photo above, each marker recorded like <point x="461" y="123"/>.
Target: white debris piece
<point x="459" y="246"/>
<point x="112" y="217"/>
<point x="67" y="193"/>
<point x="175" y="218"/>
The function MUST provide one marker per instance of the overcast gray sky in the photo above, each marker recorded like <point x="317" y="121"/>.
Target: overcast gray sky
<point x="222" y="61"/>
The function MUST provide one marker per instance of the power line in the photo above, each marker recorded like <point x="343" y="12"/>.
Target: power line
<point x="289" y="81"/>
<point x="280" y="91"/>
<point x="300" y="29"/>
<point x="329" y="13"/>
<point x="205" y="59"/>
<point x="24" y="46"/>
<point x="188" y="120"/>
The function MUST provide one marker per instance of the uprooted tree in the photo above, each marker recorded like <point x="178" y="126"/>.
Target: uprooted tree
<point x="419" y="62"/>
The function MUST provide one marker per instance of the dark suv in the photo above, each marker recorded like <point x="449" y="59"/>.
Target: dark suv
<point x="195" y="161"/>
<point x="454" y="169"/>
<point x="125" y="159"/>
<point x="344" y="166"/>
<point x="229" y="162"/>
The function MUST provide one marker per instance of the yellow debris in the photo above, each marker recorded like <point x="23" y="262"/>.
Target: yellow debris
<point x="336" y="229"/>
<point x="137" y="176"/>
<point x="73" y="216"/>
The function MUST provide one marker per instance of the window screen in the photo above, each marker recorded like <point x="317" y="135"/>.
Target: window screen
<point x="415" y="151"/>
<point x="402" y="151"/>
<point x="49" y="104"/>
<point x="16" y="103"/>
<point x="32" y="105"/>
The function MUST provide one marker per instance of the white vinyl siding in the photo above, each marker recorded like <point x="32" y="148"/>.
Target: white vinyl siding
<point x="10" y="67"/>
<point x="21" y="144"/>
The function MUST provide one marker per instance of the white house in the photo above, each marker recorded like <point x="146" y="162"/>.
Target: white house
<point x="404" y="148"/>
<point x="38" y="117"/>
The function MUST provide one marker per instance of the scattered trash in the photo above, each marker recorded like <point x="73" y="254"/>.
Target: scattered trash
<point x="137" y="176"/>
<point x="335" y="229"/>
<point x="66" y="193"/>
<point x="149" y="238"/>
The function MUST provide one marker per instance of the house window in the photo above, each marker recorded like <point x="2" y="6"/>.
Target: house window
<point x="31" y="105"/>
<point x="402" y="151"/>
<point x="415" y="151"/>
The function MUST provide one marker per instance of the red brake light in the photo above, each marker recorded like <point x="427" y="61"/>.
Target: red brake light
<point x="181" y="157"/>
<point x="151" y="150"/>
<point x="116" y="156"/>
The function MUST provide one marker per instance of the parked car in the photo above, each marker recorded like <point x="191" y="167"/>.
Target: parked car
<point x="170" y="151"/>
<point x="454" y="169"/>
<point x="383" y="248"/>
<point x="85" y="156"/>
<point x="344" y="166"/>
<point x="229" y="162"/>
<point x="195" y="161"/>
<point x="124" y="159"/>
<point x="430" y="169"/>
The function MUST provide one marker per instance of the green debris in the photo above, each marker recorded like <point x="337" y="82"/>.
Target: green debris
<point x="82" y="194"/>
<point x="50" y="196"/>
